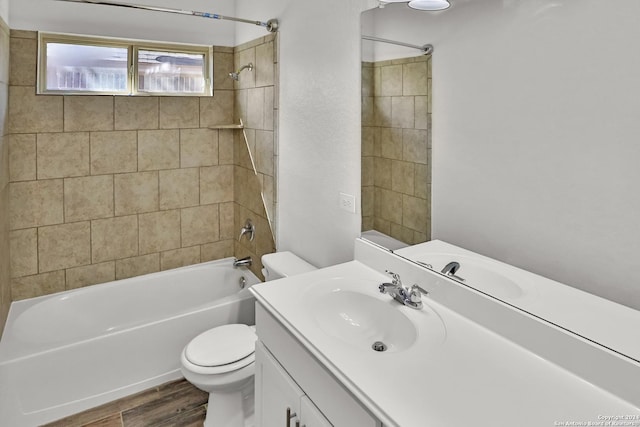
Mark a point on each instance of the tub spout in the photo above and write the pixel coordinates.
(242, 262)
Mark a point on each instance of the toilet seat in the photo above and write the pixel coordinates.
(222, 349)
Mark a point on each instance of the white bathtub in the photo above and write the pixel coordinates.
(63, 353)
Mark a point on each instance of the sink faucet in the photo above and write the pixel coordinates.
(242, 262)
(451, 269)
(411, 297)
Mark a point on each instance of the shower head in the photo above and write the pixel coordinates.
(236, 75)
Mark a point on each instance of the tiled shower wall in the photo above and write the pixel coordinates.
(105, 188)
(5, 279)
(396, 148)
(256, 105)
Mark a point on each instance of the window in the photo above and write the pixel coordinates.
(86, 65)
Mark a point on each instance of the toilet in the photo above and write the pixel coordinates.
(221, 361)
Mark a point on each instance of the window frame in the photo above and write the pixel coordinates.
(132, 46)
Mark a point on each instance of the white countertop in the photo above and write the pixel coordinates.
(472, 378)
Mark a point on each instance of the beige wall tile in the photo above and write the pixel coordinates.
(367, 202)
(421, 112)
(139, 112)
(137, 266)
(382, 172)
(368, 111)
(269, 99)
(227, 228)
(24, 252)
(114, 238)
(421, 186)
(241, 58)
(264, 152)
(88, 197)
(225, 147)
(37, 285)
(367, 178)
(255, 109)
(159, 231)
(217, 109)
(368, 140)
(200, 225)
(264, 64)
(241, 152)
(198, 147)
(35, 203)
(414, 78)
(222, 66)
(217, 250)
(391, 143)
(402, 177)
(179, 112)
(415, 145)
(390, 203)
(415, 213)
(382, 111)
(136, 193)
(402, 112)
(90, 275)
(216, 184)
(158, 149)
(179, 188)
(88, 113)
(113, 152)
(62, 155)
(391, 83)
(22, 157)
(63, 246)
(179, 257)
(24, 54)
(31, 113)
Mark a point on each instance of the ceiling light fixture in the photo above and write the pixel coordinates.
(428, 5)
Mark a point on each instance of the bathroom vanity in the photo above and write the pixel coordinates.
(334, 350)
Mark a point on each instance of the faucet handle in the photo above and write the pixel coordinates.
(416, 292)
(395, 276)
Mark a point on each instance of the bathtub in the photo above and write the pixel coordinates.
(67, 352)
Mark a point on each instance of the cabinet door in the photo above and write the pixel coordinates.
(311, 415)
(275, 392)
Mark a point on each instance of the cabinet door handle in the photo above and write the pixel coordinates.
(289, 416)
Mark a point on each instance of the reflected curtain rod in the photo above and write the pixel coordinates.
(271, 25)
(426, 49)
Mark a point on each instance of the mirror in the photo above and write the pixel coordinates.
(394, 174)
(396, 136)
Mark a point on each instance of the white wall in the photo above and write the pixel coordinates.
(319, 123)
(4, 11)
(78, 18)
(536, 135)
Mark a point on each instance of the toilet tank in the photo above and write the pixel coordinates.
(283, 264)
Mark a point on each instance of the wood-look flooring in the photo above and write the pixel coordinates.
(174, 404)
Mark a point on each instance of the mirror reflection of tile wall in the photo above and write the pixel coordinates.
(396, 148)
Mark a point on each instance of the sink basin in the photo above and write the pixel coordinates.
(354, 312)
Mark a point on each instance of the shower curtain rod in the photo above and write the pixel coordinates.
(426, 49)
(271, 25)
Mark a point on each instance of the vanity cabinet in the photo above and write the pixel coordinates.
(289, 376)
(279, 400)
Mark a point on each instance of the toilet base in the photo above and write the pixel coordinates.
(235, 409)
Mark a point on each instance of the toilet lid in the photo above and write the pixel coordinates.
(222, 345)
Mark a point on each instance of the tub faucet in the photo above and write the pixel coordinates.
(411, 297)
(451, 269)
(242, 262)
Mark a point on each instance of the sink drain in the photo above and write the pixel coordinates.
(379, 346)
